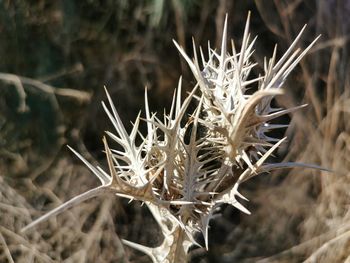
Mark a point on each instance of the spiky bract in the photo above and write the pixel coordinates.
(191, 162)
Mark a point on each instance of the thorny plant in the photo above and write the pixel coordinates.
(190, 163)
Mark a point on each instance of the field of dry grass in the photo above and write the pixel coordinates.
(55, 60)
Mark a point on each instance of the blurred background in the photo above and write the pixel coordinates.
(56, 56)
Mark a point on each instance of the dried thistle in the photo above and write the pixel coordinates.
(183, 175)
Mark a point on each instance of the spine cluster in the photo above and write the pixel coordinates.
(190, 162)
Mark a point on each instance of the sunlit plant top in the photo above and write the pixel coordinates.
(191, 162)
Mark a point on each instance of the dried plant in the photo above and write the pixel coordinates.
(190, 163)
